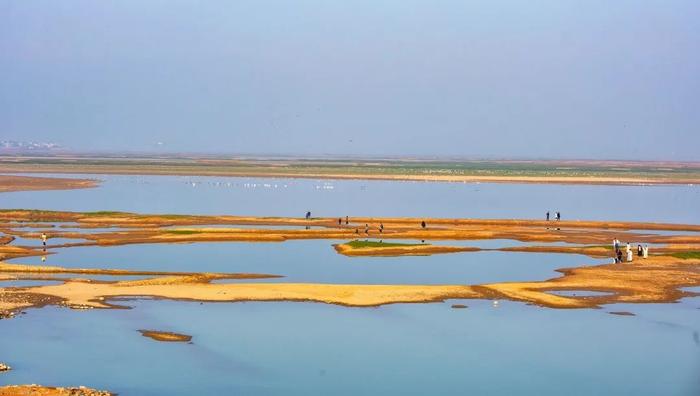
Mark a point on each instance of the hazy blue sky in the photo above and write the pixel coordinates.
(559, 78)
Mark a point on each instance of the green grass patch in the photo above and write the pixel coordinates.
(183, 232)
(374, 244)
(687, 255)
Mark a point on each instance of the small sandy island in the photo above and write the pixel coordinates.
(165, 336)
(38, 390)
(30, 183)
(373, 248)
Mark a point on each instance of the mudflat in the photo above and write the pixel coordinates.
(30, 183)
(38, 390)
(674, 264)
(165, 336)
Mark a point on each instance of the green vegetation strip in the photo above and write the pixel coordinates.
(687, 255)
(183, 232)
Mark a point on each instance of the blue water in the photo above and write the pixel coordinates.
(309, 348)
(36, 242)
(27, 283)
(175, 194)
(303, 349)
(317, 261)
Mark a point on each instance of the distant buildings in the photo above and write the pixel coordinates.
(27, 146)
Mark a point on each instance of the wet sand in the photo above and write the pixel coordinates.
(30, 183)
(152, 229)
(392, 251)
(38, 390)
(165, 336)
(656, 279)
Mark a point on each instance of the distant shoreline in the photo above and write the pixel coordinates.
(9, 183)
(555, 172)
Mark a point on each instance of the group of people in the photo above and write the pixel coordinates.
(367, 227)
(557, 216)
(44, 238)
(642, 251)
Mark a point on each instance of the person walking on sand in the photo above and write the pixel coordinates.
(646, 251)
(43, 238)
(628, 248)
(616, 244)
(558, 216)
(629, 256)
(347, 220)
(422, 224)
(619, 256)
(308, 215)
(381, 228)
(367, 229)
(640, 251)
(340, 221)
(547, 215)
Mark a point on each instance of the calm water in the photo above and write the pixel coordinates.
(317, 261)
(302, 349)
(310, 348)
(286, 197)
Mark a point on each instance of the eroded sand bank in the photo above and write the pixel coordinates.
(30, 183)
(38, 390)
(656, 279)
(165, 336)
(137, 228)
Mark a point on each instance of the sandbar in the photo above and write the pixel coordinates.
(10, 183)
(38, 390)
(393, 249)
(673, 265)
(165, 336)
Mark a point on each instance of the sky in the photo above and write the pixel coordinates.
(582, 79)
